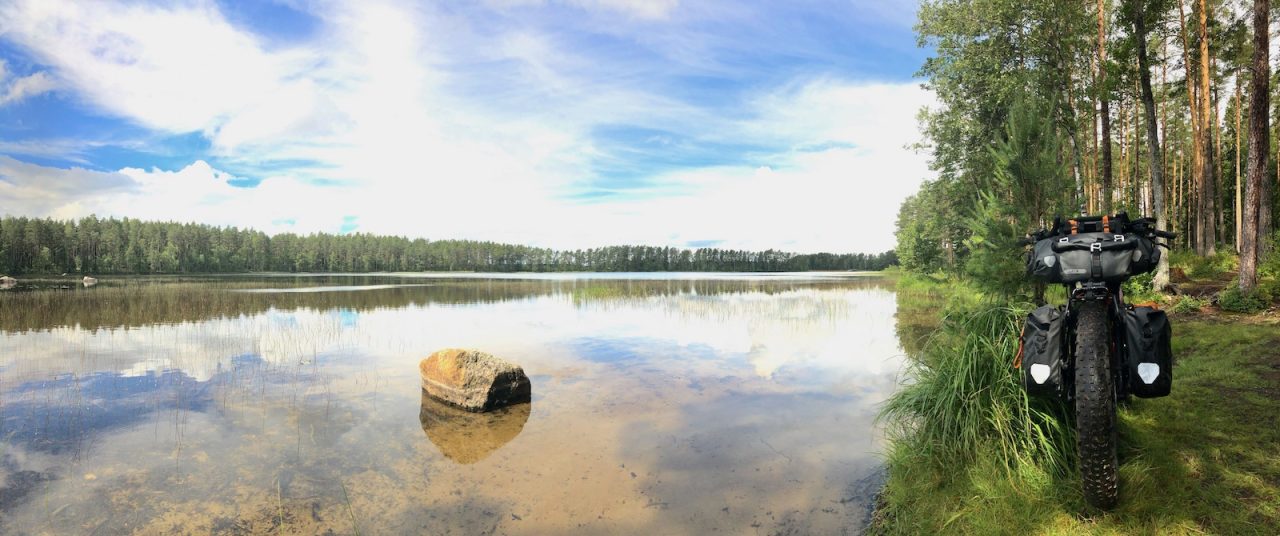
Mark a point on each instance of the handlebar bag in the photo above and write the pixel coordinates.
(1043, 263)
(1095, 256)
(1146, 255)
(1148, 357)
(1042, 351)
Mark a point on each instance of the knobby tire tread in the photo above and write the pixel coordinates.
(1095, 407)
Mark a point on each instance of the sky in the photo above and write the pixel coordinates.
(556, 123)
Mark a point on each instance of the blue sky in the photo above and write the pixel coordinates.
(569, 123)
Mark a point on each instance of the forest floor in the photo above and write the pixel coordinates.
(1204, 460)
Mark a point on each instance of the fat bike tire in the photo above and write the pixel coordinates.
(1095, 407)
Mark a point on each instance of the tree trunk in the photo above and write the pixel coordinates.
(1219, 210)
(1161, 279)
(1239, 193)
(1139, 198)
(1259, 144)
(1265, 225)
(1177, 196)
(1208, 229)
(1075, 149)
(1105, 106)
(1163, 107)
(1193, 109)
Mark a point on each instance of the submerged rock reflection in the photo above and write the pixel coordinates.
(466, 437)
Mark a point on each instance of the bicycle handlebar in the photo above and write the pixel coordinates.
(1141, 226)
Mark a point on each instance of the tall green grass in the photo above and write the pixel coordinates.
(962, 406)
(963, 395)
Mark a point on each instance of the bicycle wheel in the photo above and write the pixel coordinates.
(1095, 406)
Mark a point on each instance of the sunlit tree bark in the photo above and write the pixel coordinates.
(1259, 145)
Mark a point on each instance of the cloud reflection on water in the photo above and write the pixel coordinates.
(654, 409)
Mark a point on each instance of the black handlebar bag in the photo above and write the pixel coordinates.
(1089, 257)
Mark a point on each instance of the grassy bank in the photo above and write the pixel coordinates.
(971, 455)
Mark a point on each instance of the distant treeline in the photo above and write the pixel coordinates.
(129, 246)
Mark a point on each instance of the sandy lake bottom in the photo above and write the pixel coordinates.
(661, 405)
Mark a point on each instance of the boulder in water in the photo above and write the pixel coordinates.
(473, 380)
(7, 282)
(90, 281)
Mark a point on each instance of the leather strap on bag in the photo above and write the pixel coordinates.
(1075, 226)
(1106, 224)
(1017, 359)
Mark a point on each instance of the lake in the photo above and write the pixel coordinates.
(283, 404)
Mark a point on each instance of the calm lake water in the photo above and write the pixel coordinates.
(662, 404)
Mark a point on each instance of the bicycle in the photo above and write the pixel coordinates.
(1096, 350)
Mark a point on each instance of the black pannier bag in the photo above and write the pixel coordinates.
(1148, 356)
(1041, 351)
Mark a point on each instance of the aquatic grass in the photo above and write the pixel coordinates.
(355, 524)
(279, 506)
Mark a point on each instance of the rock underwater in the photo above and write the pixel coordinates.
(467, 437)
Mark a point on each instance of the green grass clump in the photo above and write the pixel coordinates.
(1188, 304)
(962, 408)
(962, 395)
(1237, 301)
(1138, 289)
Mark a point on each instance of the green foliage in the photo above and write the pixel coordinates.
(1270, 265)
(1189, 304)
(990, 55)
(998, 156)
(1237, 301)
(1211, 267)
(1024, 191)
(927, 231)
(111, 246)
(1137, 289)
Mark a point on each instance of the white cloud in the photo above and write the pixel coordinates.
(30, 189)
(176, 69)
(23, 87)
(384, 102)
(841, 196)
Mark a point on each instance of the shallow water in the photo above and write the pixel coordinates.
(676, 404)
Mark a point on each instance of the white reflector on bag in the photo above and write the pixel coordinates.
(1148, 372)
(1040, 372)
